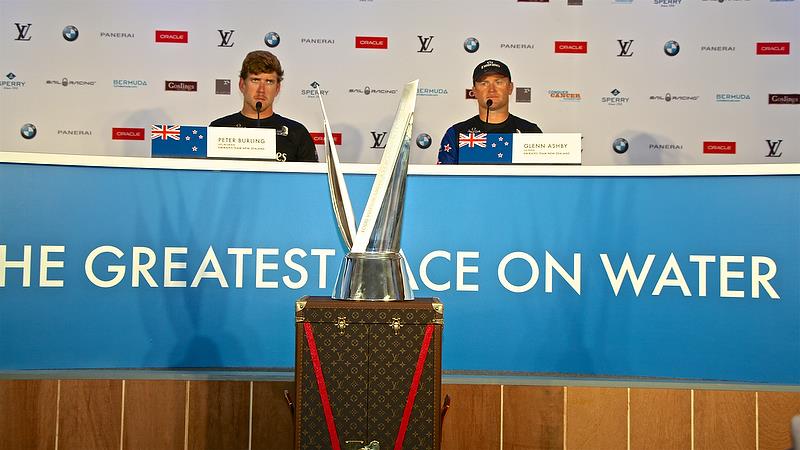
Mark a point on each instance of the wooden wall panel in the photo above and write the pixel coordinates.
(272, 423)
(219, 415)
(661, 419)
(533, 418)
(724, 420)
(90, 414)
(155, 413)
(28, 414)
(473, 420)
(597, 418)
(775, 412)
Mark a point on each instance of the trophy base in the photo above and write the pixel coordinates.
(374, 276)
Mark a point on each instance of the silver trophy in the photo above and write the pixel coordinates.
(375, 268)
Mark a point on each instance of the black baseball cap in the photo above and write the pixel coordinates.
(490, 66)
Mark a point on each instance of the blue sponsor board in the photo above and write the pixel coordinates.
(680, 277)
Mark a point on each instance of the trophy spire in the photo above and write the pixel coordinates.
(375, 268)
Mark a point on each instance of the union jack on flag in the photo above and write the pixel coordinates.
(472, 140)
(166, 132)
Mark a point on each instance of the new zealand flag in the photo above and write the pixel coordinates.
(176, 141)
(489, 149)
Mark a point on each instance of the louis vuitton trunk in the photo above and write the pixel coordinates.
(368, 374)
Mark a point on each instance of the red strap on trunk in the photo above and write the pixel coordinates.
(323, 391)
(412, 392)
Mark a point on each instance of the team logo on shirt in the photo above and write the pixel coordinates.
(472, 140)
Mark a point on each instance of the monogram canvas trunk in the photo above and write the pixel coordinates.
(368, 374)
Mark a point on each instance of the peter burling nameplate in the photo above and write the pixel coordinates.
(375, 268)
(241, 143)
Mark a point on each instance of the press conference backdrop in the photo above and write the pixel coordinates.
(645, 81)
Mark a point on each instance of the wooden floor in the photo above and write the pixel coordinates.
(167, 414)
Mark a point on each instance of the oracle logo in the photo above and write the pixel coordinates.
(319, 138)
(127, 134)
(723, 148)
(772, 48)
(572, 47)
(372, 42)
(176, 37)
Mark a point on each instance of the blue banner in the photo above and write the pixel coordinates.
(680, 277)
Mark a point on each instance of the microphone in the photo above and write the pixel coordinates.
(489, 103)
(258, 114)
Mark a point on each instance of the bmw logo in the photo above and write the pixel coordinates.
(471, 45)
(671, 48)
(424, 140)
(620, 145)
(272, 39)
(28, 131)
(70, 33)
(367, 90)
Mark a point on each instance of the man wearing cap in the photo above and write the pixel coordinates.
(492, 86)
(260, 83)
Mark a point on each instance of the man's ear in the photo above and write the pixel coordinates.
(241, 85)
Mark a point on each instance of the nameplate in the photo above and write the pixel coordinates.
(546, 148)
(241, 143)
